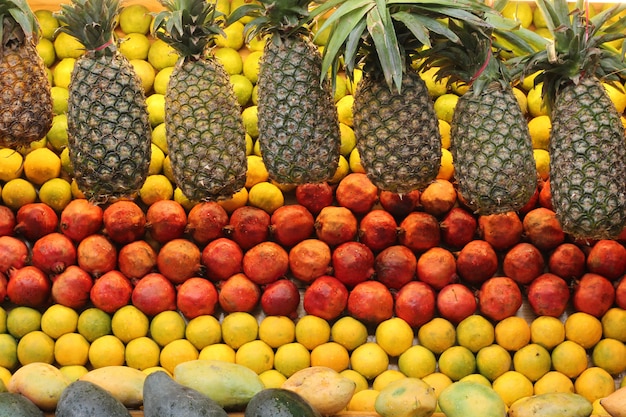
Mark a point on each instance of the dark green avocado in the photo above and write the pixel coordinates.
(279, 402)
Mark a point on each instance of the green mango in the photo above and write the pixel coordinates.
(471, 399)
(563, 404)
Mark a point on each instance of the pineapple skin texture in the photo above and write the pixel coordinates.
(25, 99)
(109, 134)
(492, 151)
(205, 132)
(397, 134)
(298, 126)
(588, 162)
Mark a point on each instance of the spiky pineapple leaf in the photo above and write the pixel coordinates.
(386, 43)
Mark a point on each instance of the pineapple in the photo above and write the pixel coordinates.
(395, 123)
(204, 129)
(109, 133)
(490, 142)
(299, 135)
(25, 102)
(587, 152)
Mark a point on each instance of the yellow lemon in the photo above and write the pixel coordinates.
(349, 332)
(232, 37)
(73, 372)
(387, 376)
(56, 192)
(60, 96)
(583, 328)
(348, 139)
(219, 352)
(57, 135)
(547, 331)
(256, 147)
(355, 161)
(238, 328)
(456, 362)
(353, 80)
(438, 381)
(272, 378)
(257, 43)
(445, 105)
(17, 193)
(48, 23)
(394, 335)
(203, 331)
(106, 350)
(167, 169)
(536, 103)
(62, 72)
(436, 86)
(553, 381)
(614, 324)
(475, 332)
(129, 323)
(249, 144)
(512, 333)
(45, 49)
(521, 12)
(41, 164)
(162, 79)
(369, 359)
(444, 132)
(230, 58)
(542, 163)
(341, 87)
(76, 191)
(251, 65)
(594, 383)
(363, 401)
(134, 46)
(242, 87)
(344, 110)
(167, 326)
(35, 347)
(176, 352)
(155, 188)
(93, 323)
(359, 380)
(343, 169)
(162, 55)
(71, 349)
(135, 18)
(67, 46)
(312, 331)
(256, 173)
(492, 361)
(522, 101)
(145, 72)
(256, 355)
(8, 352)
(155, 104)
(533, 361)
(266, 196)
(569, 358)
(239, 199)
(152, 369)
(291, 358)
(417, 362)
(156, 160)
(598, 410)
(610, 355)
(66, 165)
(538, 20)
(617, 94)
(58, 320)
(11, 164)
(511, 386)
(159, 137)
(142, 353)
(251, 121)
(446, 169)
(540, 128)
(3, 320)
(277, 330)
(331, 355)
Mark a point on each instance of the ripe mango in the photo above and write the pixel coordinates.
(615, 403)
(471, 399)
(552, 404)
(123, 382)
(40, 382)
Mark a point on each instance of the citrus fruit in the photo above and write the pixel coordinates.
(349, 332)
(475, 332)
(219, 352)
(331, 355)
(162, 55)
(348, 139)
(291, 357)
(35, 347)
(277, 330)
(135, 18)
(176, 352)
(57, 135)
(542, 163)
(45, 49)
(17, 193)
(438, 381)
(73, 372)
(369, 359)
(129, 323)
(522, 101)
(41, 164)
(238, 328)
(256, 173)
(511, 386)
(232, 37)
(445, 105)
(134, 46)
(231, 60)
(22, 320)
(540, 128)
(343, 169)
(394, 335)
(522, 13)
(167, 326)
(610, 355)
(344, 110)
(492, 361)
(67, 46)
(436, 87)
(512, 333)
(71, 349)
(8, 351)
(156, 108)
(553, 381)
(355, 161)
(58, 320)
(106, 350)
(56, 192)
(156, 160)
(583, 328)
(417, 362)
(239, 199)
(142, 353)
(203, 331)
(456, 362)
(359, 380)
(533, 361)
(155, 188)
(242, 87)
(62, 72)
(547, 331)
(272, 378)
(145, 72)
(11, 165)
(251, 66)
(162, 79)
(93, 323)
(614, 324)
(312, 331)
(594, 383)
(48, 23)
(256, 355)
(536, 104)
(446, 170)
(251, 121)
(266, 196)
(364, 401)
(387, 376)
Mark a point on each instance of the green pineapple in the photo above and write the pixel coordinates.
(25, 102)
(108, 127)
(205, 132)
(587, 152)
(395, 123)
(299, 133)
(490, 142)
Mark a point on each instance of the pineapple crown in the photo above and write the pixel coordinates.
(91, 22)
(384, 34)
(189, 26)
(579, 48)
(17, 23)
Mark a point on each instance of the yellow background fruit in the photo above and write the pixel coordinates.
(256, 355)
(291, 358)
(203, 331)
(142, 353)
(312, 331)
(369, 359)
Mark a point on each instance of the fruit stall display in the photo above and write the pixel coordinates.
(332, 245)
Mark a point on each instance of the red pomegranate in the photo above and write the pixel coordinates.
(309, 259)
(567, 261)
(80, 218)
(477, 262)
(136, 259)
(502, 231)
(53, 253)
(206, 222)
(458, 227)
(523, 263)
(97, 255)
(419, 231)
(315, 196)
(437, 267)
(111, 291)
(378, 230)
(71, 287)
(13, 253)
(593, 294)
(395, 266)
(29, 286)
(326, 297)
(3, 286)
(222, 258)
(166, 220)
(265, 263)
(499, 298)
(370, 302)
(353, 263)
(336, 225)
(607, 258)
(456, 302)
(124, 221)
(548, 295)
(196, 296)
(281, 298)
(248, 226)
(35, 220)
(399, 205)
(415, 303)
(545, 196)
(154, 293)
(178, 260)
(7, 221)
(357, 193)
(620, 294)
(290, 224)
(438, 197)
(543, 229)
(238, 293)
